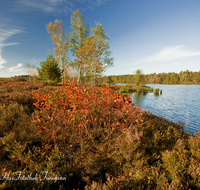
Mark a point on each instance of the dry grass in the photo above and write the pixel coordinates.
(151, 154)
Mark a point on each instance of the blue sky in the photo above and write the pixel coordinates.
(152, 35)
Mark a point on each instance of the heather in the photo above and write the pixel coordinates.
(94, 137)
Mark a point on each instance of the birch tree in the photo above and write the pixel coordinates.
(78, 35)
(94, 53)
(61, 43)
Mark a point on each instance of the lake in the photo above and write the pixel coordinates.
(177, 103)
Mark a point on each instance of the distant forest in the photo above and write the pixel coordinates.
(184, 77)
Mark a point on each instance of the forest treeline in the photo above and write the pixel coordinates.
(184, 77)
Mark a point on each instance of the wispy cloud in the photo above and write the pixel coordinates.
(16, 68)
(172, 53)
(169, 54)
(8, 44)
(4, 35)
(34, 60)
(57, 6)
(45, 5)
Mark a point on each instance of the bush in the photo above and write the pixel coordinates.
(20, 79)
(81, 127)
(15, 132)
(49, 82)
(124, 91)
(156, 91)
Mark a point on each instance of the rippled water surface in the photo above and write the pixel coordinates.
(177, 103)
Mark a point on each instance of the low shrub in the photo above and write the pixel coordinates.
(142, 89)
(124, 91)
(94, 138)
(16, 131)
(20, 79)
(80, 127)
(156, 91)
(49, 82)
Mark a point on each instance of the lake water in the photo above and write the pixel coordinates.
(177, 103)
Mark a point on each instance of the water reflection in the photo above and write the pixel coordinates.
(138, 97)
(176, 103)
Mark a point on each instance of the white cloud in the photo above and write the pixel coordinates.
(8, 75)
(172, 53)
(16, 68)
(177, 63)
(169, 54)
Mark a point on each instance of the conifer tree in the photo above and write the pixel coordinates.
(49, 70)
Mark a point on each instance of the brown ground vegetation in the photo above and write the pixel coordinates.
(157, 154)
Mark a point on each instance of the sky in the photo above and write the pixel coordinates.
(153, 35)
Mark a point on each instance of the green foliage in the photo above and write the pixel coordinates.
(110, 80)
(184, 77)
(49, 82)
(49, 70)
(142, 89)
(124, 91)
(139, 78)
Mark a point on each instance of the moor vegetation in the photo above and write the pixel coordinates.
(76, 136)
(89, 138)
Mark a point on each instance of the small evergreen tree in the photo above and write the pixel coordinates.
(49, 71)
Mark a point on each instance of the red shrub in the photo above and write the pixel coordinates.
(75, 113)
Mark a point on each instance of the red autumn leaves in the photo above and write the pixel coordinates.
(76, 112)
